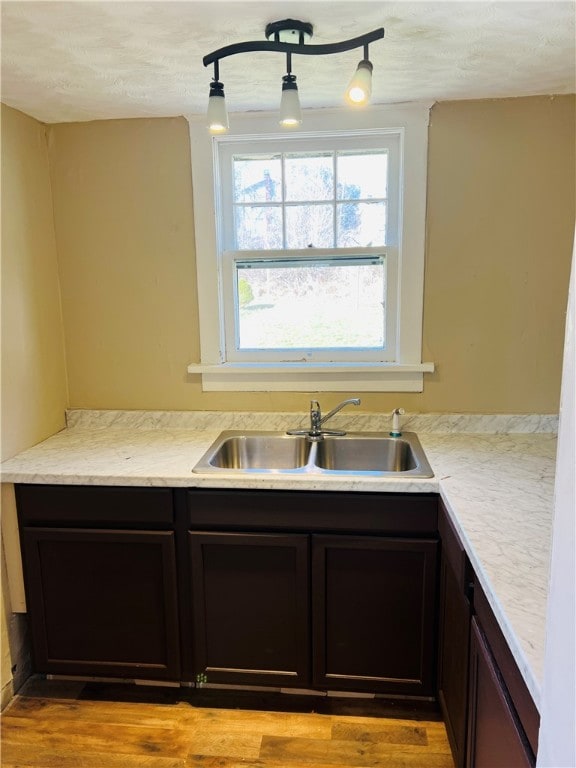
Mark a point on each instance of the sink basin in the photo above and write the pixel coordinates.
(366, 454)
(259, 451)
(369, 453)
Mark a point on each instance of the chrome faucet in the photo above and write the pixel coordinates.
(317, 420)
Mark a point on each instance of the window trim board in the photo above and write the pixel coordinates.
(412, 120)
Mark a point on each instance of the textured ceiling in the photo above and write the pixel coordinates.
(70, 61)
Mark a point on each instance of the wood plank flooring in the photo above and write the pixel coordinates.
(60, 724)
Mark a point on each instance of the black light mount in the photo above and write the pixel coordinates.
(289, 29)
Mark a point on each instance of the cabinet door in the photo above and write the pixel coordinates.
(495, 737)
(102, 602)
(454, 617)
(250, 608)
(373, 614)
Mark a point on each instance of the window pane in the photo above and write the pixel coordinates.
(361, 224)
(309, 177)
(257, 180)
(311, 307)
(362, 176)
(310, 226)
(258, 227)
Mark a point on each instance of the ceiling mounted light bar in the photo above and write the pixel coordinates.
(290, 36)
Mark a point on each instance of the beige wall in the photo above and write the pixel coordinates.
(499, 232)
(34, 394)
(125, 228)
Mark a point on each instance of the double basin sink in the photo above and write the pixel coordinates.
(364, 453)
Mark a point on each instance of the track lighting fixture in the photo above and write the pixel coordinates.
(290, 36)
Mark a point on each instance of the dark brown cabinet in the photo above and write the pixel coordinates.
(314, 590)
(454, 617)
(251, 609)
(503, 721)
(490, 716)
(374, 614)
(333, 591)
(496, 737)
(101, 601)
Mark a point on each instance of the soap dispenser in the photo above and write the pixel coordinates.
(396, 431)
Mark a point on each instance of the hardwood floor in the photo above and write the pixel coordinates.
(60, 724)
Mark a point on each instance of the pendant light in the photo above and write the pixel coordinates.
(217, 114)
(360, 89)
(290, 112)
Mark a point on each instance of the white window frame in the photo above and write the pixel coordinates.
(405, 373)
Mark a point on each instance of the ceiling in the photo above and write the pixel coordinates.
(77, 60)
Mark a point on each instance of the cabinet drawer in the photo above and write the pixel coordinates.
(80, 505)
(380, 513)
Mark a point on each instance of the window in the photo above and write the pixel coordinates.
(310, 256)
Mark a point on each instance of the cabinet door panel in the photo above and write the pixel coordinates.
(250, 606)
(495, 737)
(102, 603)
(454, 637)
(373, 618)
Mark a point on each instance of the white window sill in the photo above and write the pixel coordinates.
(306, 377)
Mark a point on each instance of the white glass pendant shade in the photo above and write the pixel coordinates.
(360, 89)
(290, 112)
(217, 114)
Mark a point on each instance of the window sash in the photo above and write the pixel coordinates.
(353, 142)
(278, 196)
(230, 262)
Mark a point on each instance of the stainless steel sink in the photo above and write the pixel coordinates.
(365, 453)
(259, 451)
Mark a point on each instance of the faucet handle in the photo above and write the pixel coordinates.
(315, 417)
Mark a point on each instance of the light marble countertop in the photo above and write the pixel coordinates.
(498, 489)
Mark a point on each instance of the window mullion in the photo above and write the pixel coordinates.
(283, 201)
(334, 195)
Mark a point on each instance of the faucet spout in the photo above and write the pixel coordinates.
(350, 401)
